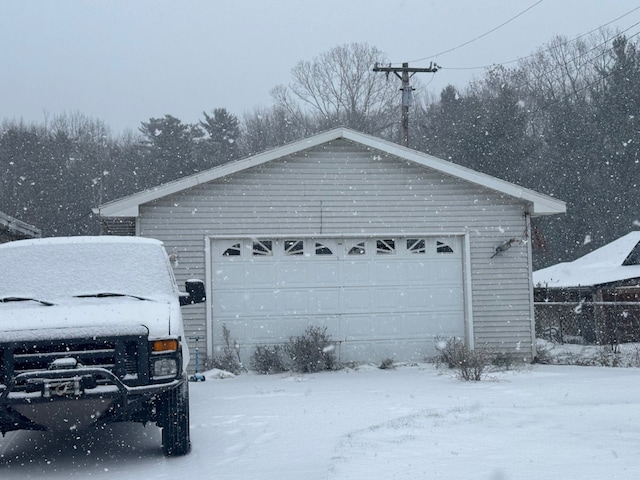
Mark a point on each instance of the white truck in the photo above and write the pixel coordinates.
(91, 331)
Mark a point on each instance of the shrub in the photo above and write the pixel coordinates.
(268, 359)
(311, 352)
(503, 361)
(386, 364)
(543, 354)
(469, 364)
(229, 360)
(607, 357)
(450, 351)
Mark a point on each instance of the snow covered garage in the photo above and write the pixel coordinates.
(387, 247)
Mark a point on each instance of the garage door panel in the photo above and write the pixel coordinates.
(412, 323)
(264, 302)
(355, 299)
(261, 331)
(367, 328)
(393, 327)
(324, 300)
(325, 273)
(276, 329)
(447, 272)
(230, 275)
(228, 303)
(292, 274)
(444, 324)
(444, 298)
(387, 272)
(356, 273)
(260, 274)
(386, 299)
(295, 301)
(416, 272)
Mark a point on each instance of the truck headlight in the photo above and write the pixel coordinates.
(164, 367)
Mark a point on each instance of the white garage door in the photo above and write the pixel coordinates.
(379, 297)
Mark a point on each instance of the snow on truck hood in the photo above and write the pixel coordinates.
(50, 268)
(111, 314)
(87, 282)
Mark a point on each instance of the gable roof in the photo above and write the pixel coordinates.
(614, 262)
(129, 206)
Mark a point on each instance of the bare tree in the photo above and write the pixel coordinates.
(339, 87)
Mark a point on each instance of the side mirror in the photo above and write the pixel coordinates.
(196, 292)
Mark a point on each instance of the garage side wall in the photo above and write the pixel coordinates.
(342, 188)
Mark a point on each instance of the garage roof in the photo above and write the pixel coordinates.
(616, 261)
(129, 206)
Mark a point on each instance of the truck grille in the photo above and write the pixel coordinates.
(124, 351)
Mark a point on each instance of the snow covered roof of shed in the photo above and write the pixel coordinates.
(616, 261)
(129, 206)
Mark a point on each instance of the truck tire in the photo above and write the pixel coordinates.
(175, 421)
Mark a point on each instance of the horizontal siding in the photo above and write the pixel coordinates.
(341, 189)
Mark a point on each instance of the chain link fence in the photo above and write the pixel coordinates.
(599, 323)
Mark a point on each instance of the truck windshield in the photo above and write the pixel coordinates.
(49, 269)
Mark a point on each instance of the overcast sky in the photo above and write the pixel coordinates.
(125, 61)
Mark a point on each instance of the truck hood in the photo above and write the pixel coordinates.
(155, 315)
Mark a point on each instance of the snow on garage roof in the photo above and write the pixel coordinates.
(129, 206)
(616, 261)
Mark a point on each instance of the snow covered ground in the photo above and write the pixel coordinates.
(414, 421)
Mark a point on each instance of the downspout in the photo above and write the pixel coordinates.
(532, 309)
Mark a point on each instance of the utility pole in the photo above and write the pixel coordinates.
(405, 73)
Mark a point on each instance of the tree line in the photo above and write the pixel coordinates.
(563, 121)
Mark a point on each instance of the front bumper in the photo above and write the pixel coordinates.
(67, 399)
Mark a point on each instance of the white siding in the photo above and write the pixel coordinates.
(341, 188)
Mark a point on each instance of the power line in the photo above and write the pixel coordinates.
(587, 61)
(587, 85)
(548, 49)
(480, 36)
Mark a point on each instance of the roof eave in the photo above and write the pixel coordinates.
(543, 207)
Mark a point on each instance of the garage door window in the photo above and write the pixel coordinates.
(386, 246)
(416, 245)
(293, 247)
(262, 248)
(357, 249)
(322, 249)
(232, 251)
(442, 247)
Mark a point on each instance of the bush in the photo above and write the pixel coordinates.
(268, 359)
(230, 358)
(311, 352)
(450, 351)
(386, 364)
(469, 364)
(503, 361)
(543, 354)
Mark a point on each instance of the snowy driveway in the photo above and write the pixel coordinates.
(411, 422)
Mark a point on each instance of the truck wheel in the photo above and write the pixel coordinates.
(175, 421)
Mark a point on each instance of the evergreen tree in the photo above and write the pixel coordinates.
(223, 132)
(169, 148)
